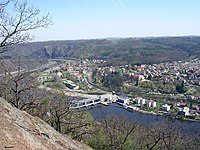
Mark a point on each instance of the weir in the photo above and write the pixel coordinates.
(101, 99)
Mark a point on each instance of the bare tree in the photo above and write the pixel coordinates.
(17, 18)
(16, 87)
(164, 136)
(114, 132)
(79, 126)
(15, 23)
(58, 108)
(64, 119)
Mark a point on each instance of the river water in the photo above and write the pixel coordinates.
(116, 110)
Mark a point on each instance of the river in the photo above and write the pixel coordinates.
(115, 109)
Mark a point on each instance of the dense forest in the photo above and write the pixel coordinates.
(115, 51)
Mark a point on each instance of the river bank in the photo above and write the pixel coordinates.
(144, 118)
(160, 113)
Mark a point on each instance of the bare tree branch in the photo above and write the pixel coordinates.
(14, 26)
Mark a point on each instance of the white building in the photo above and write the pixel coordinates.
(165, 107)
(140, 100)
(151, 103)
(186, 110)
(143, 101)
(123, 100)
(59, 74)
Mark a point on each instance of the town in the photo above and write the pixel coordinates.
(100, 74)
(169, 89)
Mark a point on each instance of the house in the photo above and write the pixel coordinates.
(181, 104)
(140, 101)
(151, 103)
(79, 76)
(123, 100)
(59, 74)
(184, 112)
(139, 77)
(187, 111)
(154, 104)
(165, 107)
(70, 84)
(143, 101)
(129, 74)
(70, 68)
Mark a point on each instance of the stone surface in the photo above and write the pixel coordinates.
(21, 131)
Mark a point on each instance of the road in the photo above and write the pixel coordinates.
(40, 68)
(14, 72)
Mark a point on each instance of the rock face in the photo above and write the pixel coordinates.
(21, 131)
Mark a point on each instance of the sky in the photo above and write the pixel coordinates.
(94, 19)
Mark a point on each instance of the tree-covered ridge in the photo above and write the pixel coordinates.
(117, 51)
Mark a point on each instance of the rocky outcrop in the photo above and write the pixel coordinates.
(21, 131)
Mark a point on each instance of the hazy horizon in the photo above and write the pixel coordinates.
(114, 38)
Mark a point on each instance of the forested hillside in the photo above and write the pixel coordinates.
(115, 51)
